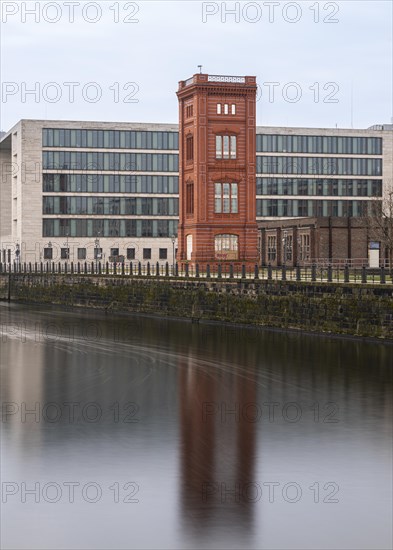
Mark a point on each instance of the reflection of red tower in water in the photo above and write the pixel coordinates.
(217, 170)
(218, 443)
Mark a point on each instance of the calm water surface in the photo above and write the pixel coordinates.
(154, 433)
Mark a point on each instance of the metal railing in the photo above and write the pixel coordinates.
(331, 273)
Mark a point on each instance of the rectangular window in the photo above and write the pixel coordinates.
(218, 108)
(225, 147)
(81, 253)
(65, 253)
(147, 253)
(271, 248)
(190, 198)
(233, 109)
(190, 148)
(226, 109)
(48, 253)
(114, 251)
(130, 253)
(97, 253)
(163, 253)
(226, 198)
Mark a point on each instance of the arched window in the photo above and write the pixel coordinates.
(226, 247)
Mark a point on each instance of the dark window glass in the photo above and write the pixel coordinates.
(163, 253)
(81, 253)
(48, 253)
(147, 253)
(130, 253)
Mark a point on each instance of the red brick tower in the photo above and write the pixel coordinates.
(217, 184)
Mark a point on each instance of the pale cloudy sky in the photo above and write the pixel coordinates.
(317, 63)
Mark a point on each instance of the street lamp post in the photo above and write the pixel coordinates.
(173, 254)
(67, 255)
(17, 253)
(97, 248)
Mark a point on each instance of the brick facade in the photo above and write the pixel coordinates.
(316, 240)
(200, 170)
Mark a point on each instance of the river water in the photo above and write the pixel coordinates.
(133, 432)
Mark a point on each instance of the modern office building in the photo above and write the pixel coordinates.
(83, 190)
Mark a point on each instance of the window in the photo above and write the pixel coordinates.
(304, 251)
(114, 251)
(147, 253)
(189, 111)
(233, 109)
(226, 109)
(218, 108)
(225, 147)
(130, 253)
(48, 253)
(271, 248)
(226, 247)
(287, 244)
(190, 148)
(226, 198)
(65, 253)
(81, 253)
(163, 253)
(190, 198)
(97, 253)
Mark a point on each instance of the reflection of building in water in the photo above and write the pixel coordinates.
(218, 444)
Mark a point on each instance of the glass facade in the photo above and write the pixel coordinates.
(267, 143)
(110, 139)
(326, 187)
(309, 207)
(119, 206)
(85, 227)
(319, 165)
(98, 183)
(95, 161)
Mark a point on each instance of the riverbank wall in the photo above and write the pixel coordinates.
(338, 308)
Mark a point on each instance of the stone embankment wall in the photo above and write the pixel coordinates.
(352, 309)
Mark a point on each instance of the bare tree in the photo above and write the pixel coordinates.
(380, 222)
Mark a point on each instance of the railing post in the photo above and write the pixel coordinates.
(186, 270)
(157, 269)
(85, 268)
(256, 272)
(364, 275)
(329, 273)
(219, 271)
(99, 267)
(176, 269)
(269, 272)
(92, 268)
(79, 267)
(197, 271)
(72, 268)
(207, 271)
(139, 269)
(382, 276)
(65, 268)
(166, 269)
(231, 271)
(148, 269)
(283, 272)
(313, 273)
(131, 272)
(346, 273)
(298, 273)
(244, 271)
(115, 268)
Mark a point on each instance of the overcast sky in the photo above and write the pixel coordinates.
(331, 62)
